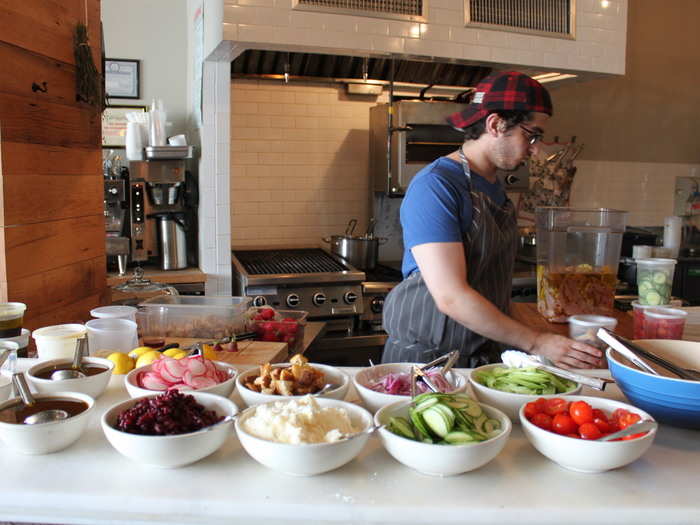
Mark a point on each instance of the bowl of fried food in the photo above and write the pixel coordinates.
(270, 382)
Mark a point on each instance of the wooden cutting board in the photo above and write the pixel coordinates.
(250, 353)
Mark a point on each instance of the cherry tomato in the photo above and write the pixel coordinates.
(540, 403)
(603, 425)
(556, 405)
(633, 436)
(599, 414)
(531, 409)
(628, 419)
(563, 424)
(589, 431)
(581, 412)
(542, 420)
(267, 313)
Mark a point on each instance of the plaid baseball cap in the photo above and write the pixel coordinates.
(503, 91)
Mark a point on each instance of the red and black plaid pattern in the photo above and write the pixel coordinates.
(503, 91)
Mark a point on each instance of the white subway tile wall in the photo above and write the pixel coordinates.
(599, 44)
(299, 161)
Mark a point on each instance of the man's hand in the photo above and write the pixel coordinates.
(567, 353)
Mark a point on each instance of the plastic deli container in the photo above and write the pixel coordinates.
(111, 335)
(286, 326)
(58, 341)
(118, 312)
(664, 323)
(638, 318)
(22, 340)
(213, 317)
(11, 318)
(585, 327)
(654, 280)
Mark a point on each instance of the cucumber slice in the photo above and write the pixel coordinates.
(473, 408)
(491, 425)
(447, 412)
(401, 427)
(659, 278)
(458, 438)
(421, 429)
(425, 404)
(643, 287)
(479, 422)
(652, 298)
(436, 420)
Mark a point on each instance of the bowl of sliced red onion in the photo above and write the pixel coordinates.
(388, 383)
(190, 373)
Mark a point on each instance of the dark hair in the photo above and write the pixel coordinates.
(511, 119)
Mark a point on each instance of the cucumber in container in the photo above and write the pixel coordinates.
(655, 280)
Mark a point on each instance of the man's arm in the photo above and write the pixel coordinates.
(444, 270)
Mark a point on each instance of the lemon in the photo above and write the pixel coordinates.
(138, 352)
(171, 352)
(179, 355)
(148, 358)
(123, 364)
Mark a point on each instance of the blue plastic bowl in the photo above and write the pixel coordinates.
(669, 400)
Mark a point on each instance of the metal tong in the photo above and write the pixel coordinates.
(418, 372)
(635, 353)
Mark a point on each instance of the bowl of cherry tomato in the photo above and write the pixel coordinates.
(566, 430)
(668, 398)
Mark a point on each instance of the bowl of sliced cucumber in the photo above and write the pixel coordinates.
(442, 434)
(654, 280)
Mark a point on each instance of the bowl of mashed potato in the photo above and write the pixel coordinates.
(304, 436)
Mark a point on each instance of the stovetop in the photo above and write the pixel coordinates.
(294, 261)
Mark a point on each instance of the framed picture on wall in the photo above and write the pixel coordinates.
(122, 78)
(114, 125)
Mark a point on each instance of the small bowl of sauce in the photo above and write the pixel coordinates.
(98, 372)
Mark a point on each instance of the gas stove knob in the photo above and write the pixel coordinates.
(350, 297)
(293, 300)
(377, 305)
(259, 301)
(318, 299)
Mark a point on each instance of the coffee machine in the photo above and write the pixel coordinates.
(116, 214)
(162, 198)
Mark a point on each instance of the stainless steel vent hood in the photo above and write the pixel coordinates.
(340, 68)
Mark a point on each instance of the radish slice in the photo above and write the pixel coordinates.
(152, 381)
(196, 366)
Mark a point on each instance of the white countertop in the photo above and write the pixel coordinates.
(91, 483)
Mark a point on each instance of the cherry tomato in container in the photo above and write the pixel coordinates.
(556, 405)
(542, 420)
(589, 431)
(563, 424)
(581, 412)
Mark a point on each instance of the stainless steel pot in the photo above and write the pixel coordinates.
(359, 251)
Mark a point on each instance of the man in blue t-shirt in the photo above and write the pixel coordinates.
(460, 238)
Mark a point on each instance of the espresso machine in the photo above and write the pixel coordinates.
(163, 204)
(116, 213)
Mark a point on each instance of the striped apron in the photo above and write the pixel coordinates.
(418, 331)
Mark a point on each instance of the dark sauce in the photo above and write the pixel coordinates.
(89, 370)
(17, 412)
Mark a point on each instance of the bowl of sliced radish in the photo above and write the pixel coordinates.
(442, 434)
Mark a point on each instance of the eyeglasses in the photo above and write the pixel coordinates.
(533, 137)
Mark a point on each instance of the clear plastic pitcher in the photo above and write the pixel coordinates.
(578, 253)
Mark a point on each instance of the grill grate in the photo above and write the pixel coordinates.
(384, 8)
(302, 261)
(553, 17)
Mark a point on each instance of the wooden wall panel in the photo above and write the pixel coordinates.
(59, 288)
(76, 312)
(27, 159)
(26, 120)
(46, 27)
(37, 248)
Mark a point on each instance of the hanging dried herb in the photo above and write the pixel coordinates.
(87, 78)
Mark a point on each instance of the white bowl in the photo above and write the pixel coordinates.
(374, 400)
(585, 455)
(307, 459)
(93, 386)
(225, 388)
(170, 451)
(45, 438)
(5, 388)
(440, 460)
(331, 375)
(507, 401)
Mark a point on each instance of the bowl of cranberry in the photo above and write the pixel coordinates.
(280, 326)
(566, 430)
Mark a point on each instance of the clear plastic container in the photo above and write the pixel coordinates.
(578, 253)
(638, 318)
(664, 323)
(114, 312)
(655, 280)
(11, 319)
(111, 335)
(58, 341)
(287, 326)
(212, 317)
(585, 327)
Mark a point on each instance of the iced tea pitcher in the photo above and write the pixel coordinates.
(578, 253)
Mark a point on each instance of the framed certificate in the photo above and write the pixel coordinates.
(114, 125)
(122, 78)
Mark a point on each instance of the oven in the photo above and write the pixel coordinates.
(349, 301)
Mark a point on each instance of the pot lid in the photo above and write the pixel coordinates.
(140, 284)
